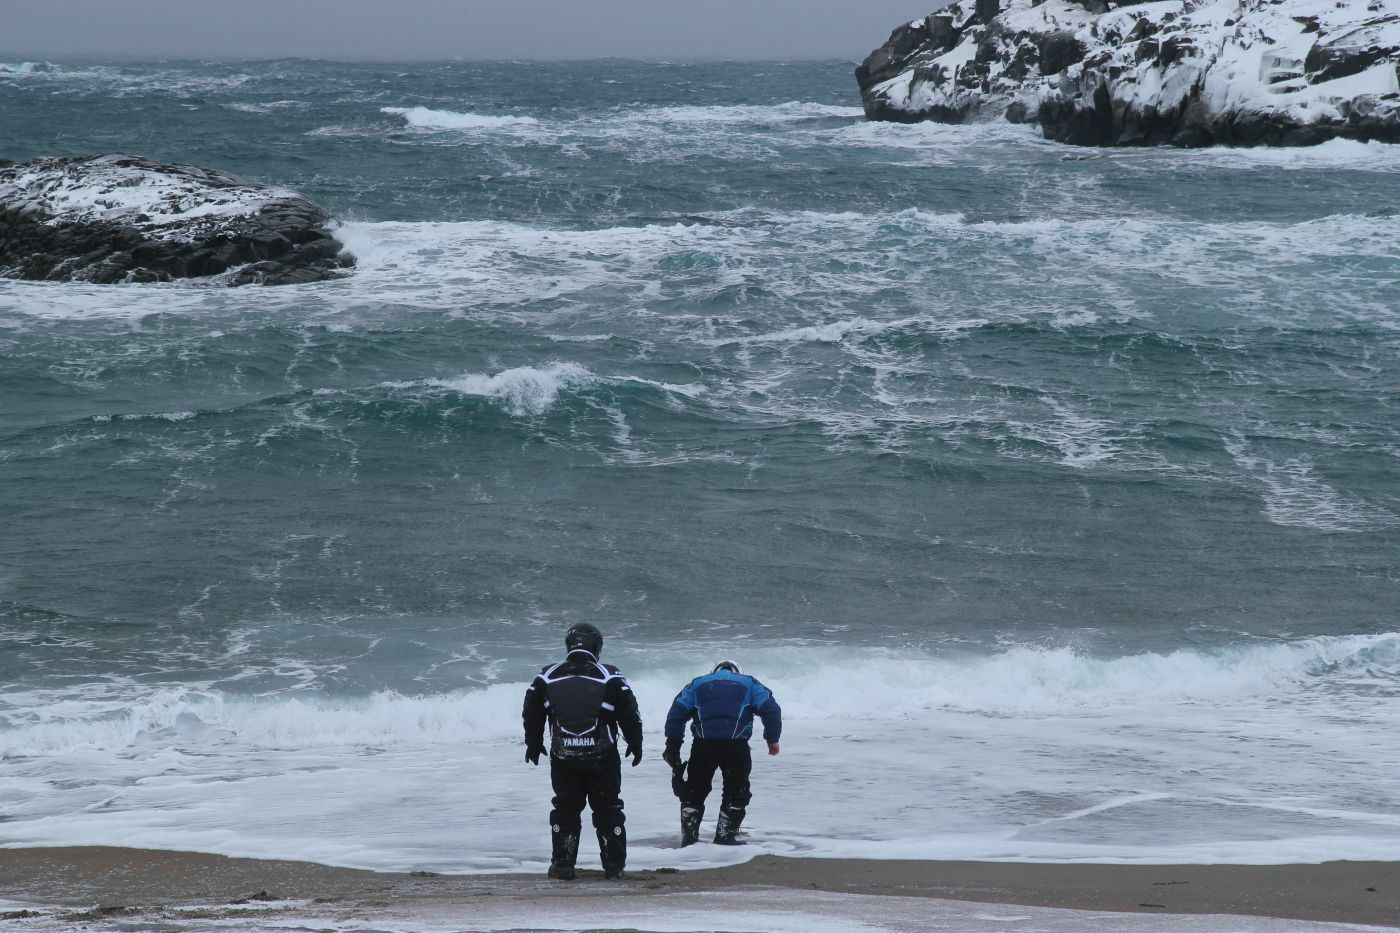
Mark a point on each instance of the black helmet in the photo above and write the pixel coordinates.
(584, 636)
(729, 666)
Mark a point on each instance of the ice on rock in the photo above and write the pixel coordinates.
(1181, 72)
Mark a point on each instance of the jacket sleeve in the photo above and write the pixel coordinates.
(624, 702)
(769, 711)
(535, 712)
(682, 707)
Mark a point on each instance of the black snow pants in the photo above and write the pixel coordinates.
(598, 783)
(732, 759)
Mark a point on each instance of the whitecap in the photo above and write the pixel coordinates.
(524, 390)
(423, 118)
(531, 391)
(1296, 496)
(23, 69)
(1335, 154)
(171, 416)
(269, 106)
(745, 113)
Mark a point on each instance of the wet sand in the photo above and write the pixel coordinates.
(92, 883)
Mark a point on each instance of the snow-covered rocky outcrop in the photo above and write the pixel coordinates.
(123, 219)
(1183, 72)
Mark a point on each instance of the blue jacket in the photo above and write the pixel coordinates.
(722, 706)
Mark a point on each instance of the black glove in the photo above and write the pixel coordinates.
(533, 753)
(672, 754)
(635, 753)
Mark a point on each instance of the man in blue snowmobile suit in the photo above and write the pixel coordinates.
(720, 707)
(585, 703)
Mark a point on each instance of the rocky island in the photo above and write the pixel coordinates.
(112, 218)
(1177, 72)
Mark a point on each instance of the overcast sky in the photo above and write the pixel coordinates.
(421, 29)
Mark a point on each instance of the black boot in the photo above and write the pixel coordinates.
(727, 827)
(690, 824)
(561, 861)
(612, 846)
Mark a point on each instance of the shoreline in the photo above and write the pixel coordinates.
(111, 882)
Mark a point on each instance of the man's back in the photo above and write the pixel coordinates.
(585, 702)
(722, 705)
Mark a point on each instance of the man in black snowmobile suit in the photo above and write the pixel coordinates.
(586, 703)
(720, 707)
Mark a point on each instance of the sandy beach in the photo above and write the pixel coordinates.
(114, 888)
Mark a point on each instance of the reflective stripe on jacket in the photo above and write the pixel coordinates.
(585, 703)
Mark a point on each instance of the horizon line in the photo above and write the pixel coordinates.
(9, 57)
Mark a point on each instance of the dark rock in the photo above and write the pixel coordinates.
(988, 50)
(1142, 29)
(1059, 50)
(894, 56)
(1022, 63)
(1346, 56)
(120, 219)
(1174, 50)
(1019, 112)
(942, 34)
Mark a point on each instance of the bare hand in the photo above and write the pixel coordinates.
(772, 748)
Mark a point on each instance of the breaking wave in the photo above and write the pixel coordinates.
(1043, 681)
(524, 390)
(19, 69)
(791, 111)
(811, 686)
(527, 390)
(425, 119)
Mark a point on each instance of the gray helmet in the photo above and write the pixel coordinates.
(584, 636)
(729, 666)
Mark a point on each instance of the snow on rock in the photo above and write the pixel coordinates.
(124, 219)
(1181, 72)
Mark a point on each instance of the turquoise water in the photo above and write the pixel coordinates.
(695, 353)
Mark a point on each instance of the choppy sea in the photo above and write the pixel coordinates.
(1053, 491)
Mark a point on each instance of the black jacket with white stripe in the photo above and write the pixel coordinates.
(585, 702)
